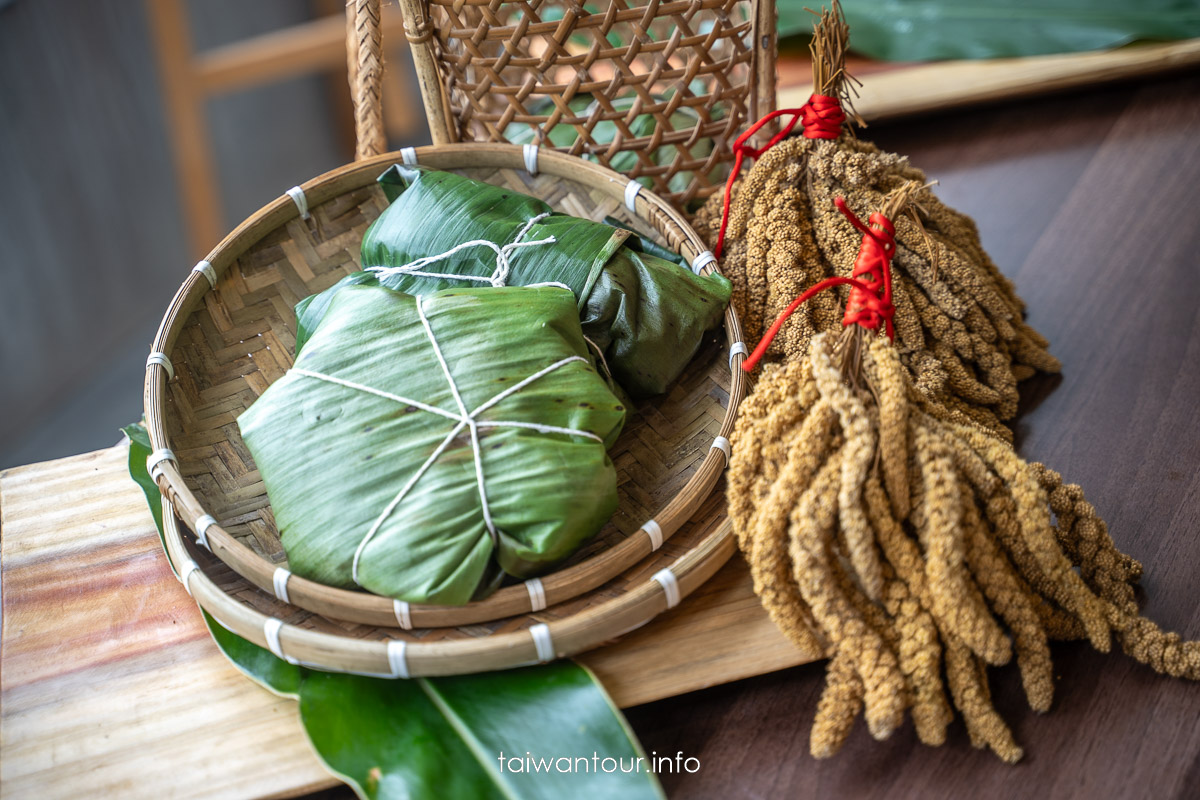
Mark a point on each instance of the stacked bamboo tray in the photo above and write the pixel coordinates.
(230, 332)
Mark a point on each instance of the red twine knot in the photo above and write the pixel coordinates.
(822, 117)
(871, 301)
(868, 306)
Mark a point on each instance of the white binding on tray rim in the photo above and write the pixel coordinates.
(530, 152)
(185, 573)
(163, 360)
(632, 189)
(301, 201)
(735, 349)
(409, 156)
(702, 260)
(670, 585)
(722, 444)
(203, 523)
(403, 613)
(155, 459)
(279, 581)
(205, 268)
(397, 658)
(537, 594)
(271, 628)
(542, 641)
(654, 531)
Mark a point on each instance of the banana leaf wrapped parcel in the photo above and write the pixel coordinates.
(424, 447)
(645, 315)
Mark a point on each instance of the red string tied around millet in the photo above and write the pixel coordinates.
(821, 118)
(870, 303)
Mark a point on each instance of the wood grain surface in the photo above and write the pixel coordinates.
(111, 686)
(1089, 202)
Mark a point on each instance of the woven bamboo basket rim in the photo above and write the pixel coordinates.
(402, 658)
(375, 610)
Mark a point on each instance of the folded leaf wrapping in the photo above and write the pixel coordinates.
(417, 442)
(645, 314)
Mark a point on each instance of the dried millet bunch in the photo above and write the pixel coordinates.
(960, 327)
(913, 542)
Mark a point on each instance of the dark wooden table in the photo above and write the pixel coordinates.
(1089, 201)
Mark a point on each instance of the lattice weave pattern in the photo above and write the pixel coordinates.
(655, 90)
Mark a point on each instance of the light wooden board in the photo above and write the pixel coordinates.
(898, 90)
(111, 686)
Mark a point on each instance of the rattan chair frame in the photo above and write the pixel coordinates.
(491, 69)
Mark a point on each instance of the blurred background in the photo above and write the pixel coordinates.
(121, 119)
(96, 99)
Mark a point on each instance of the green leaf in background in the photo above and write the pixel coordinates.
(606, 130)
(929, 30)
(442, 738)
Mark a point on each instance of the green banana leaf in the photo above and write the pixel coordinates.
(433, 738)
(928, 30)
(544, 732)
(139, 450)
(641, 244)
(257, 663)
(645, 314)
(383, 493)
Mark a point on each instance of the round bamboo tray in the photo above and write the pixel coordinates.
(621, 605)
(229, 332)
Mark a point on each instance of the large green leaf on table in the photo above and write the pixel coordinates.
(492, 730)
(384, 492)
(647, 315)
(139, 450)
(431, 738)
(256, 663)
(928, 30)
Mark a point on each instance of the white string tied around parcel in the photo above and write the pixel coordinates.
(463, 419)
(499, 276)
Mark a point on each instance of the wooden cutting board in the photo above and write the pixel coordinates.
(111, 686)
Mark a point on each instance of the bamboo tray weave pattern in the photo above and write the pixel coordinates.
(625, 603)
(230, 332)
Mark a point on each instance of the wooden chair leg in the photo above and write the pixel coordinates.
(186, 120)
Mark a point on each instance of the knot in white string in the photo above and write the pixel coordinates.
(499, 276)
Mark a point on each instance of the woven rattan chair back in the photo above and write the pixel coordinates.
(654, 90)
